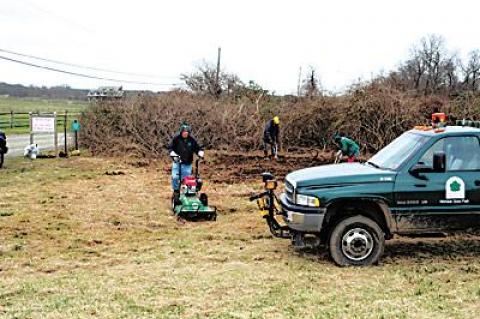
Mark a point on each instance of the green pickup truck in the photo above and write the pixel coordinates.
(426, 181)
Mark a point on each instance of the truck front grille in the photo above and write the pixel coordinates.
(289, 191)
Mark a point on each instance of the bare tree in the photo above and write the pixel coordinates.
(203, 80)
(450, 69)
(311, 84)
(471, 72)
(252, 91)
(430, 68)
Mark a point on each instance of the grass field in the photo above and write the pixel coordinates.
(25, 105)
(76, 242)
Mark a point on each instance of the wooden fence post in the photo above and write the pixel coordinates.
(31, 130)
(55, 133)
(65, 133)
(11, 119)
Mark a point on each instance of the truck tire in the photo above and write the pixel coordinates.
(356, 241)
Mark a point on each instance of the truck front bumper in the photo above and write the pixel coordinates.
(301, 218)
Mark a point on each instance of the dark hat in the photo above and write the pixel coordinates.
(185, 127)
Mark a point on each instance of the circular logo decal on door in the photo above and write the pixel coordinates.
(455, 188)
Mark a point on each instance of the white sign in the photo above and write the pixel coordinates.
(455, 188)
(43, 124)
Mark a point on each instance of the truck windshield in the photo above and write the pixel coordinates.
(398, 151)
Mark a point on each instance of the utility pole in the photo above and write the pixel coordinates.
(299, 81)
(217, 85)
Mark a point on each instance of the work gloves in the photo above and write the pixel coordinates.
(175, 157)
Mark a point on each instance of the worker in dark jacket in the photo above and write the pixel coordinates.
(181, 149)
(3, 147)
(271, 135)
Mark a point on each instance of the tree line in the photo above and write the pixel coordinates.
(430, 68)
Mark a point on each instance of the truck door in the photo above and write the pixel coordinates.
(442, 201)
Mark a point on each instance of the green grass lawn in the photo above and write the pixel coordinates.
(33, 104)
(76, 242)
(25, 105)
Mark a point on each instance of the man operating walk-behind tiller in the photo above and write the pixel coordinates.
(185, 200)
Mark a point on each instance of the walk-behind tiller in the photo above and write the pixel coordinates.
(187, 203)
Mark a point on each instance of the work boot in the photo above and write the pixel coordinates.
(176, 197)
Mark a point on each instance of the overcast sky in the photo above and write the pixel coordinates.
(264, 41)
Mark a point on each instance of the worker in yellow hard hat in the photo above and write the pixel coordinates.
(271, 135)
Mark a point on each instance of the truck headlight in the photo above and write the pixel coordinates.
(305, 200)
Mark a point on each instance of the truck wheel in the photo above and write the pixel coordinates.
(356, 241)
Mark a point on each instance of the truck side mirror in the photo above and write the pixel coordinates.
(439, 160)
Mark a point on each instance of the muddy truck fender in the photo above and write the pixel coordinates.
(375, 208)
